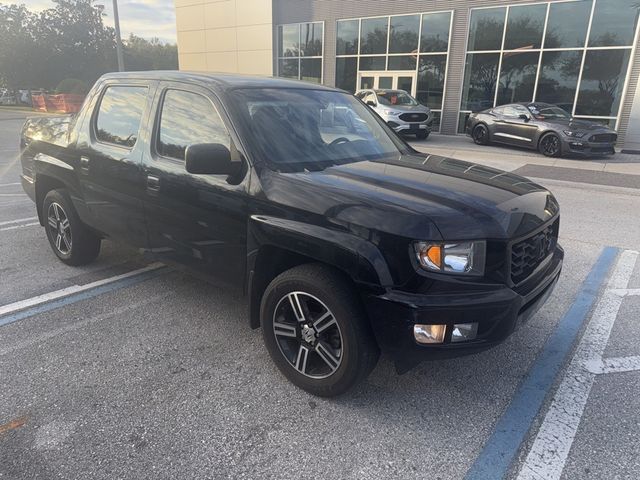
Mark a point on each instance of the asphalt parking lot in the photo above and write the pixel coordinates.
(155, 374)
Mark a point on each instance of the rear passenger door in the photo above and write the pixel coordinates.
(196, 220)
(110, 170)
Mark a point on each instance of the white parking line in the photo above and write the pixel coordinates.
(9, 184)
(19, 220)
(15, 227)
(614, 365)
(65, 292)
(552, 444)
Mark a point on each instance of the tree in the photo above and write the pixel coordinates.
(142, 54)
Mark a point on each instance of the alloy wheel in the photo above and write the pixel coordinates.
(550, 145)
(479, 134)
(308, 335)
(59, 228)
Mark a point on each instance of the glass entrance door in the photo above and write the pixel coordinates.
(392, 80)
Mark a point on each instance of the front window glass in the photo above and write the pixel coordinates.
(298, 129)
(373, 35)
(435, 32)
(567, 24)
(403, 37)
(395, 97)
(480, 77)
(485, 31)
(614, 23)
(602, 82)
(347, 37)
(524, 27)
(119, 115)
(178, 129)
(517, 77)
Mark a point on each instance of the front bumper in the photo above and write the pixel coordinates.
(499, 311)
(401, 126)
(584, 148)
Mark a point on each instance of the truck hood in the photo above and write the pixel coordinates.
(418, 196)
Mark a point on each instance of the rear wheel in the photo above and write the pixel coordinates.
(70, 239)
(480, 135)
(550, 145)
(316, 331)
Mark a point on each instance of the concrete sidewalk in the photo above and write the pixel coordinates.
(512, 158)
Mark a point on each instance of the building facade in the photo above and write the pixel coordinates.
(455, 56)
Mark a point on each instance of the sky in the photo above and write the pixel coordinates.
(145, 18)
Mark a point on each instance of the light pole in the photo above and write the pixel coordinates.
(116, 21)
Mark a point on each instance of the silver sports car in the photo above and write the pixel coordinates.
(547, 128)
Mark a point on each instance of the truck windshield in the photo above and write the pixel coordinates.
(297, 129)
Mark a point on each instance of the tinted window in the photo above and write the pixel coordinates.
(187, 119)
(346, 73)
(311, 39)
(485, 31)
(311, 70)
(435, 32)
(614, 23)
(119, 116)
(373, 63)
(567, 24)
(402, 62)
(602, 82)
(288, 68)
(480, 76)
(347, 37)
(559, 78)
(289, 41)
(431, 72)
(517, 77)
(373, 35)
(403, 37)
(524, 27)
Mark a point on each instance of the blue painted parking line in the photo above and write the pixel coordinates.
(80, 296)
(503, 444)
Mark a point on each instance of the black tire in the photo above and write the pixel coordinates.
(315, 286)
(422, 134)
(71, 241)
(550, 145)
(480, 134)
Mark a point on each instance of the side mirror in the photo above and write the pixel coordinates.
(525, 117)
(210, 159)
(371, 103)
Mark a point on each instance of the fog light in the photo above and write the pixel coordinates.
(429, 333)
(463, 332)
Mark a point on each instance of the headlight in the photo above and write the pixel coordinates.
(571, 133)
(464, 258)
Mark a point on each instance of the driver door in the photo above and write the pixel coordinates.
(516, 126)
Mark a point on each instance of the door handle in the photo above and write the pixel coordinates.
(153, 184)
(84, 165)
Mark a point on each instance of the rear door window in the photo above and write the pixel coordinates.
(188, 118)
(120, 113)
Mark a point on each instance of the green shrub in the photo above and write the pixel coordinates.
(72, 85)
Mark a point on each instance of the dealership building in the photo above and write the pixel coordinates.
(455, 56)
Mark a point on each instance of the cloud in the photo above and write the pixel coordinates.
(144, 18)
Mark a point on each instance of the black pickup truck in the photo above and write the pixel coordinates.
(346, 241)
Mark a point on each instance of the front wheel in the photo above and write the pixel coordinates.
(549, 145)
(315, 330)
(480, 135)
(70, 239)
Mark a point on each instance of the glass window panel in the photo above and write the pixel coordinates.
(346, 73)
(366, 82)
(289, 41)
(567, 24)
(558, 78)
(406, 84)
(480, 76)
(385, 82)
(347, 37)
(462, 122)
(311, 70)
(177, 128)
(373, 63)
(485, 30)
(288, 68)
(431, 72)
(614, 23)
(517, 77)
(402, 62)
(435, 32)
(602, 82)
(607, 122)
(119, 115)
(403, 37)
(524, 27)
(435, 124)
(373, 35)
(311, 39)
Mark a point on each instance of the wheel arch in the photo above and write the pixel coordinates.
(544, 134)
(44, 184)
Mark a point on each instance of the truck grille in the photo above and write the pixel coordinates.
(413, 117)
(603, 138)
(527, 254)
